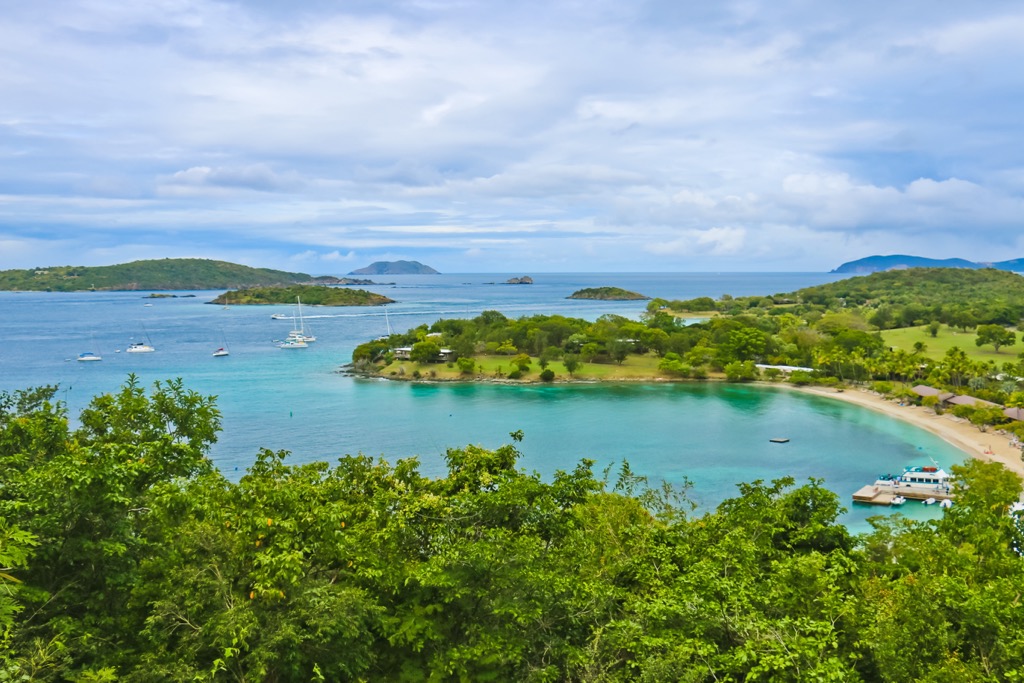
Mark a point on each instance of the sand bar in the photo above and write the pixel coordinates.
(989, 445)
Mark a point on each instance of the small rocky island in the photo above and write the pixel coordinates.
(312, 295)
(524, 280)
(607, 294)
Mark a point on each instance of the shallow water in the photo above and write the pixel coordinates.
(714, 435)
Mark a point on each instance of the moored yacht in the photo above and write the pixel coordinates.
(918, 482)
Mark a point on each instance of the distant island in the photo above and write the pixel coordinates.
(330, 280)
(395, 268)
(313, 295)
(874, 264)
(524, 280)
(607, 294)
(148, 275)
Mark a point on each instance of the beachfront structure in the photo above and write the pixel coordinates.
(1014, 413)
(923, 390)
(784, 369)
(405, 353)
(971, 401)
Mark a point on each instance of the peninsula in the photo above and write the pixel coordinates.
(886, 334)
(312, 295)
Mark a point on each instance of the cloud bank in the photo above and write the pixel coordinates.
(535, 136)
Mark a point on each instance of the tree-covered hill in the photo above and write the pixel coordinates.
(155, 274)
(314, 295)
(924, 286)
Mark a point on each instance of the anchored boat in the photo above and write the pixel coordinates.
(917, 483)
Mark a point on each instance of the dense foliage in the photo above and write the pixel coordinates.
(156, 274)
(314, 295)
(125, 556)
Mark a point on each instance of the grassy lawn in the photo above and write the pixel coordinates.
(634, 367)
(936, 347)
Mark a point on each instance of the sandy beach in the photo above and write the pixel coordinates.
(988, 445)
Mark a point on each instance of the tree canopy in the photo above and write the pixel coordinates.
(126, 556)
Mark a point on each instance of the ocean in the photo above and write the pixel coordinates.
(714, 435)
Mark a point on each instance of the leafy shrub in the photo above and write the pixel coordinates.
(547, 375)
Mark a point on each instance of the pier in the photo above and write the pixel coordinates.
(883, 495)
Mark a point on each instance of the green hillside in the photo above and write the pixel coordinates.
(156, 274)
(314, 295)
(923, 286)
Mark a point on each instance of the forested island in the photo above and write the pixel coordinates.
(151, 566)
(607, 294)
(946, 328)
(154, 274)
(313, 295)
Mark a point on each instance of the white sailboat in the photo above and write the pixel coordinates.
(298, 332)
(139, 347)
(223, 350)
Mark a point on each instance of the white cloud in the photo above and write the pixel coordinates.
(505, 134)
(720, 241)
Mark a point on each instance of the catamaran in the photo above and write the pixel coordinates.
(299, 333)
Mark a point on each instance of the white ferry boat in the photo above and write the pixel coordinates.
(918, 483)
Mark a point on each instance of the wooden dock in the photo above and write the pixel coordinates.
(884, 495)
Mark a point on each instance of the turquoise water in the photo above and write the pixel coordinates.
(715, 435)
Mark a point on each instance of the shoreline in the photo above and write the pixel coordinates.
(987, 446)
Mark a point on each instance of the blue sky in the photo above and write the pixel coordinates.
(553, 135)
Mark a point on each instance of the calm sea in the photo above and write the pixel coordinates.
(715, 435)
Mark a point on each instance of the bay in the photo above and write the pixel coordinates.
(712, 434)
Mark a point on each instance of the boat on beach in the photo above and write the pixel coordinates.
(924, 483)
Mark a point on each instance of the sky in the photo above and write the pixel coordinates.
(531, 136)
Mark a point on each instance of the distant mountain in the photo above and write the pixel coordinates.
(395, 268)
(155, 274)
(874, 264)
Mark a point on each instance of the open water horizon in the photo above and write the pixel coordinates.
(715, 435)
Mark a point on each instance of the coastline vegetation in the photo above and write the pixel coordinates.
(952, 329)
(150, 566)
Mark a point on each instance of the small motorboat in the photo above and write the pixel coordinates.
(929, 501)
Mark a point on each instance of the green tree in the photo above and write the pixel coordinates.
(996, 335)
(571, 361)
(425, 352)
(466, 365)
